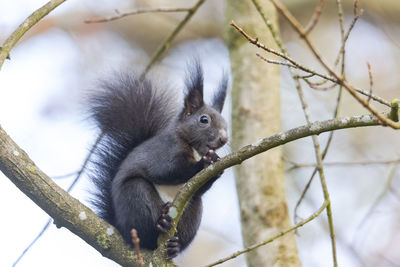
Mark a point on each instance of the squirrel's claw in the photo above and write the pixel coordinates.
(164, 222)
(173, 247)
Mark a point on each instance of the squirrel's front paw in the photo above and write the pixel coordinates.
(173, 247)
(164, 222)
(210, 158)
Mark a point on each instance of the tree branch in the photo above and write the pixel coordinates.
(64, 209)
(24, 27)
(164, 47)
(135, 12)
(70, 187)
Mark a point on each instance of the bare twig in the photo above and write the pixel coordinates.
(355, 9)
(63, 176)
(318, 87)
(296, 165)
(34, 18)
(166, 44)
(385, 190)
(341, 27)
(270, 26)
(346, 36)
(300, 224)
(119, 15)
(164, 47)
(315, 16)
(136, 247)
(277, 62)
(371, 96)
(371, 81)
(44, 229)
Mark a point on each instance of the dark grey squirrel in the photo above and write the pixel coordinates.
(148, 149)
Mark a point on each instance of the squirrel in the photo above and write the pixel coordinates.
(148, 149)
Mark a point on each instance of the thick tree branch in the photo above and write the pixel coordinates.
(70, 187)
(24, 27)
(65, 210)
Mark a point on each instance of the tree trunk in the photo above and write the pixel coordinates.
(256, 114)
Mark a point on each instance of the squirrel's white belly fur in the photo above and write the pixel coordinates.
(167, 192)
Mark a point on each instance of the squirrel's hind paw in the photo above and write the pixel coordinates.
(164, 222)
(173, 247)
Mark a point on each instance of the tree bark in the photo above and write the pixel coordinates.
(256, 114)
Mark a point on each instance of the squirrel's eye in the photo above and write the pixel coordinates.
(204, 119)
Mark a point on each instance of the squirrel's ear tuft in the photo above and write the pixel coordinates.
(194, 87)
(220, 95)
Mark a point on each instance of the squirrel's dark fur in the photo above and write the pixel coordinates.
(147, 144)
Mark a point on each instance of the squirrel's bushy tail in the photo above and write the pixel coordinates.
(127, 110)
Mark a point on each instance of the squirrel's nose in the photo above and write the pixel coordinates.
(223, 137)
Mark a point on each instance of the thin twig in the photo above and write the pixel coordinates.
(310, 75)
(44, 229)
(135, 12)
(315, 16)
(318, 87)
(277, 62)
(371, 81)
(136, 247)
(385, 190)
(341, 164)
(346, 36)
(374, 97)
(270, 26)
(300, 224)
(63, 176)
(166, 44)
(34, 18)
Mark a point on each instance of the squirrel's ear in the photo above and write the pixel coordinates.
(194, 88)
(220, 95)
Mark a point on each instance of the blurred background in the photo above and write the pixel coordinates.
(42, 107)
